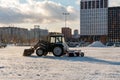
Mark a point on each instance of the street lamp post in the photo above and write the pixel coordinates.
(66, 14)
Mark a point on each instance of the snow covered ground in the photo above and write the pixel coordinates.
(98, 64)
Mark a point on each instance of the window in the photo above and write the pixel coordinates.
(93, 4)
(101, 4)
(89, 5)
(52, 40)
(97, 4)
(85, 5)
(58, 40)
(82, 5)
(105, 3)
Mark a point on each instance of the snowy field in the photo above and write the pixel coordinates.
(98, 64)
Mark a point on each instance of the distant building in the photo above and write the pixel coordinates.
(94, 19)
(37, 33)
(13, 34)
(114, 24)
(76, 34)
(67, 33)
(21, 35)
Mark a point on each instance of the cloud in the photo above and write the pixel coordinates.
(114, 3)
(78, 2)
(12, 11)
(8, 15)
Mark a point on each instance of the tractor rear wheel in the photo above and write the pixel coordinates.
(40, 52)
(58, 51)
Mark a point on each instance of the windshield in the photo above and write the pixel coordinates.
(63, 39)
(52, 40)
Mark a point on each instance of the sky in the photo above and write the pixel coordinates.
(46, 13)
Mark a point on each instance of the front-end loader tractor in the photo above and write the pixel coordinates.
(55, 44)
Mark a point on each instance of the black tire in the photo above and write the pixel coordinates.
(82, 54)
(40, 52)
(58, 51)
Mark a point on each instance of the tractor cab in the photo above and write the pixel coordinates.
(56, 38)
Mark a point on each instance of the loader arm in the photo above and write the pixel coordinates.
(40, 43)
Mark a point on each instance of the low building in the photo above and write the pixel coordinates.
(67, 33)
(76, 34)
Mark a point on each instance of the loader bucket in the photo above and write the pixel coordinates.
(28, 52)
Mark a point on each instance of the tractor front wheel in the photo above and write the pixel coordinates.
(82, 54)
(58, 51)
(40, 52)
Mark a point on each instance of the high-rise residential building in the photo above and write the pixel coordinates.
(13, 34)
(93, 19)
(67, 33)
(21, 35)
(114, 24)
(38, 33)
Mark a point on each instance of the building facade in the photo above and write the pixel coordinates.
(21, 35)
(38, 33)
(114, 24)
(67, 33)
(13, 34)
(93, 19)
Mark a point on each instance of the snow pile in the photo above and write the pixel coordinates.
(96, 44)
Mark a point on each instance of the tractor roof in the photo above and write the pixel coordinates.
(56, 35)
